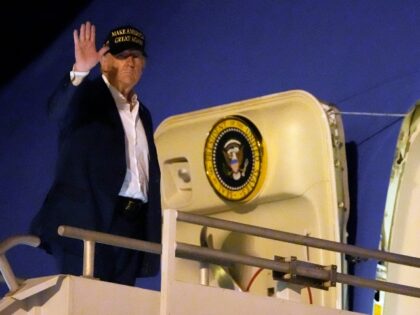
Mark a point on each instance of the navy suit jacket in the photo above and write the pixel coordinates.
(91, 167)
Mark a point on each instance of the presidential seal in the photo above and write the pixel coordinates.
(233, 158)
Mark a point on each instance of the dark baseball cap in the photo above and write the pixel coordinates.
(124, 38)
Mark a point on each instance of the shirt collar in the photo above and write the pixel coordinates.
(121, 102)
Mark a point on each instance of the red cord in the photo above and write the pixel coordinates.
(253, 279)
(310, 295)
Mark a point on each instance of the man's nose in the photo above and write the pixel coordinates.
(130, 59)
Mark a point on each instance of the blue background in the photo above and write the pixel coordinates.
(362, 56)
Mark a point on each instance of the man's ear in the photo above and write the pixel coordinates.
(105, 63)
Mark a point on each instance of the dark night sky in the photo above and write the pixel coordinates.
(27, 28)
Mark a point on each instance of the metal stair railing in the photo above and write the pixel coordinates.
(327, 274)
(183, 250)
(5, 269)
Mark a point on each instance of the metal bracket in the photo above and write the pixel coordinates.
(291, 275)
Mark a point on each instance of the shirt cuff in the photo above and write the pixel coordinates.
(76, 77)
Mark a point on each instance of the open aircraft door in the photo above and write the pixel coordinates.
(276, 161)
(400, 231)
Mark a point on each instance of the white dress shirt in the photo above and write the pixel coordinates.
(136, 148)
(136, 179)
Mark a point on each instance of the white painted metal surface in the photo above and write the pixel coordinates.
(303, 189)
(402, 218)
(70, 295)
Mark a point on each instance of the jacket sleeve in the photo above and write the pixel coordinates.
(61, 98)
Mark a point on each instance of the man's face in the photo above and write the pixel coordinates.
(124, 70)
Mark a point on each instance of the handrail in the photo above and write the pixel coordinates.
(89, 239)
(110, 239)
(220, 257)
(5, 269)
(13, 241)
(298, 239)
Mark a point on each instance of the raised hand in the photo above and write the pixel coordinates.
(85, 51)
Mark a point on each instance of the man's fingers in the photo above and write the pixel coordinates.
(87, 33)
(92, 33)
(82, 35)
(88, 30)
(76, 38)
